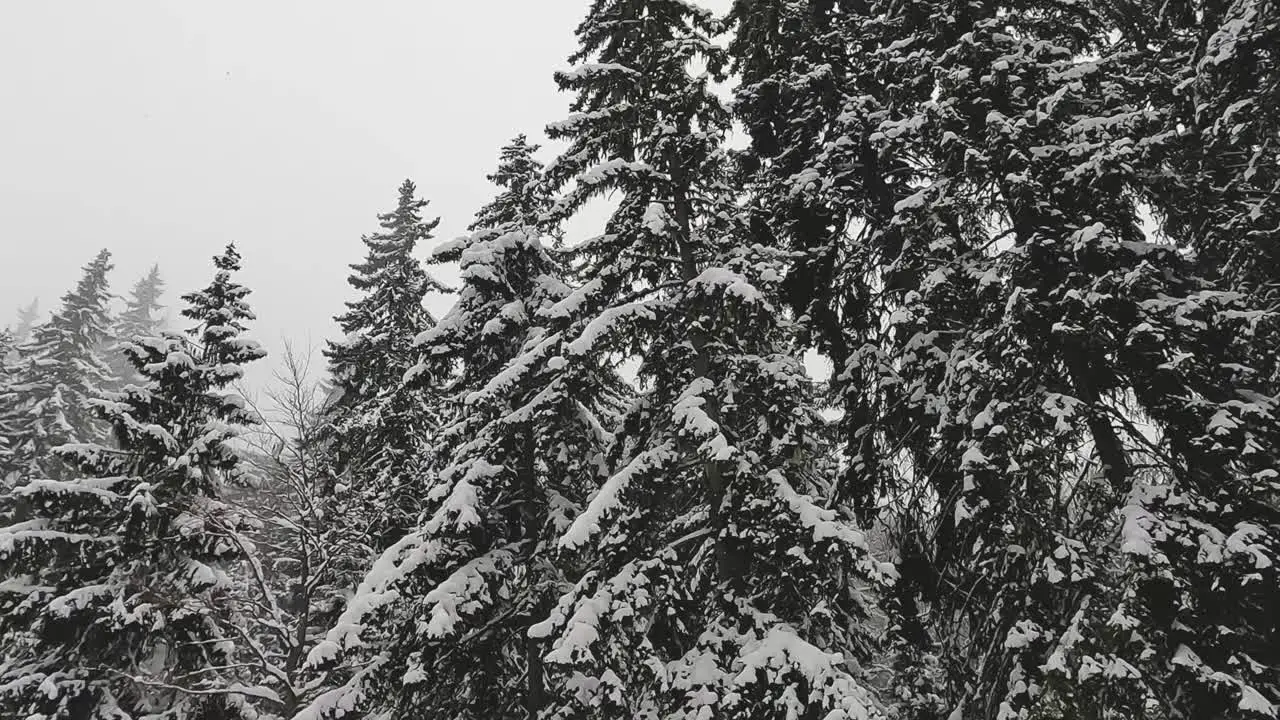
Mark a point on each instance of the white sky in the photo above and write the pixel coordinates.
(163, 129)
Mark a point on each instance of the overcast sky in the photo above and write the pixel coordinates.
(163, 129)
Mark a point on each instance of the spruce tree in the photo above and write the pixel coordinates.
(1081, 423)
(719, 582)
(141, 318)
(376, 421)
(8, 431)
(521, 451)
(1215, 74)
(59, 369)
(793, 59)
(27, 316)
(114, 584)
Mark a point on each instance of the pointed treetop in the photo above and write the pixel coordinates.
(221, 313)
(140, 317)
(84, 311)
(519, 175)
(61, 369)
(388, 311)
(93, 282)
(27, 316)
(406, 219)
(150, 285)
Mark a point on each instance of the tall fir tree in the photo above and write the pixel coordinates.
(1076, 420)
(8, 431)
(114, 586)
(377, 422)
(794, 61)
(1215, 73)
(59, 369)
(28, 315)
(719, 582)
(519, 455)
(142, 317)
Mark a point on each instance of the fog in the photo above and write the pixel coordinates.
(164, 130)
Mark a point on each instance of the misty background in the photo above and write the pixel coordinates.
(163, 130)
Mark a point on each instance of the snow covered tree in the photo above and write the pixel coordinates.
(445, 613)
(7, 349)
(59, 369)
(1073, 413)
(793, 59)
(1212, 180)
(114, 582)
(141, 318)
(27, 317)
(7, 429)
(142, 314)
(718, 581)
(377, 422)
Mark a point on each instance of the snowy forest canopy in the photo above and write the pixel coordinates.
(1038, 243)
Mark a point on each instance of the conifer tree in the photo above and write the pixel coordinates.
(1058, 379)
(59, 369)
(719, 584)
(27, 316)
(114, 585)
(521, 452)
(377, 422)
(793, 59)
(1215, 74)
(141, 318)
(7, 429)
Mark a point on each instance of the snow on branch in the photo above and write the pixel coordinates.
(376, 590)
(823, 522)
(606, 322)
(735, 284)
(782, 657)
(514, 371)
(466, 590)
(609, 496)
(691, 417)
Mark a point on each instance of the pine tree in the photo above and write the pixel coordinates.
(521, 452)
(8, 431)
(377, 422)
(719, 583)
(1216, 75)
(141, 318)
(27, 316)
(59, 369)
(1053, 379)
(794, 61)
(114, 584)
